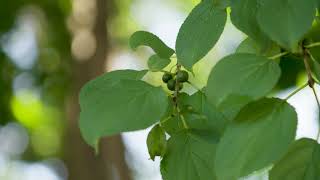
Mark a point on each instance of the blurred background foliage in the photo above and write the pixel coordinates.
(49, 49)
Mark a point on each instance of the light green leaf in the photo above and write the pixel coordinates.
(302, 162)
(199, 33)
(117, 102)
(250, 46)
(143, 38)
(238, 79)
(156, 63)
(259, 136)
(189, 156)
(286, 21)
(243, 16)
(156, 142)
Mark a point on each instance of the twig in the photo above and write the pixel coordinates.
(307, 66)
(311, 80)
(312, 45)
(318, 103)
(296, 91)
(279, 55)
(185, 125)
(176, 98)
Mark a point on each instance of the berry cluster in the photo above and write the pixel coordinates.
(171, 79)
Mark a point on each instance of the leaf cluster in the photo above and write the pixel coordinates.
(232, 127)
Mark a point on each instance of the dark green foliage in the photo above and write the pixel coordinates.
(156, 63)
(286, 22)
(302, 161)
(229, 129)
(260, 135)
(244, 17)
(248, 77)
(189, 157)
(7, 73)
(199, 33)
(143, 38)
(157, 142)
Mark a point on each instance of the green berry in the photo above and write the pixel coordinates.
(171, 84)
(180, 86)
(166, 77)
(182, 76)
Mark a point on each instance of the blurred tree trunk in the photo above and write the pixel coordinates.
(81, 162)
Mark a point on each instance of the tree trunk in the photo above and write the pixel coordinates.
(81, 162)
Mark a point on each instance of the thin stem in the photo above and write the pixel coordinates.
(311, 56)
(318, 103)
(185, 125)
(176, 98)
(311, 81)
(315, 95)
(279, 55)
(312, 45)
(176, 92)
(306, 56)
(296, 91)
(165, 120)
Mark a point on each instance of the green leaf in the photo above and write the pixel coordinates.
(156, 63)
(221, 3)
(286, 21)
(215, 120)
(238, 79)
(250, 46)
(143, 38)
(172, 125)
(198, 113)
(156, 142)
(243, 16)
(199, 33)
(302, 161)
(117, 102)
(170, 122)
(195, 121)
(259, 136)
(189, 157)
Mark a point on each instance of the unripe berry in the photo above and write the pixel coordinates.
(180, 86)
(182, 76)
(171, 84)
(166, 77)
